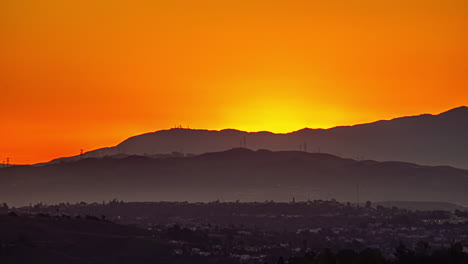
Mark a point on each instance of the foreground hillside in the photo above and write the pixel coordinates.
(237, 174)
(314, 232)
(63, 239)
(425, 139)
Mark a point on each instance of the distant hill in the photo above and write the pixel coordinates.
(236, 174)
(426, 139)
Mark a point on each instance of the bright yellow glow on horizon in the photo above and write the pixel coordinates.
(84, 74)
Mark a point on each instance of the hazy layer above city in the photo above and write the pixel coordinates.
(237, 174)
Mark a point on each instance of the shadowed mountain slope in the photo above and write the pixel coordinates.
(230, 175)
(426, 139)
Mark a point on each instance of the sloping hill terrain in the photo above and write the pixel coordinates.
(237, 174)
(58, 240)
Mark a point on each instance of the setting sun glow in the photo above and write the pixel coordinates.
(88, 74)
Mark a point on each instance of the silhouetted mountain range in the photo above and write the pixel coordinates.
(425, 139)
(237, 174)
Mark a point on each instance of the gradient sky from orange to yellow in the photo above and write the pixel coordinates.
(83, 74)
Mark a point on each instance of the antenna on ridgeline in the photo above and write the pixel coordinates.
(7, 162)
(81, 153)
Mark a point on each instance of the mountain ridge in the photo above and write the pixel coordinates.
(236, 174)
(400, 139)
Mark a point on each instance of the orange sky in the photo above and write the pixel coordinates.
(79, 74)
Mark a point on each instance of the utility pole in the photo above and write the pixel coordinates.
(357, 194)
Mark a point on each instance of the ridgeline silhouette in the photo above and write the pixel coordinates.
(424, 139)
(237, 174)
